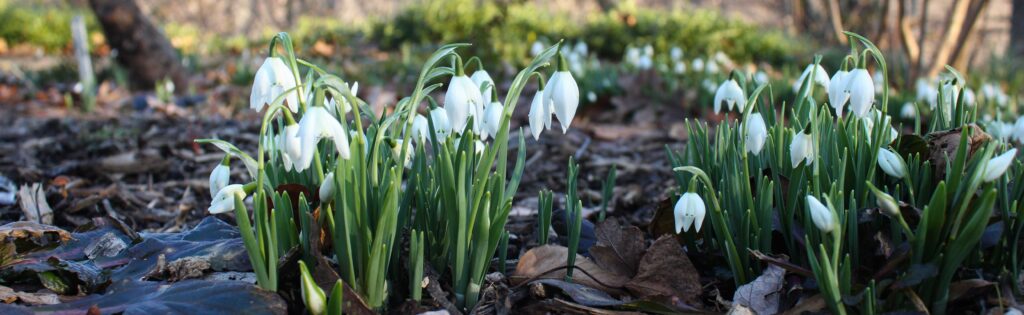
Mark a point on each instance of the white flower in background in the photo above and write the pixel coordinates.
(712, 66)
(420, 128)
(591, 96)
(891, 163)
(442, 126)
(675, 53)
(709, 85)
(632, 56)
(757, 133)
(317, 124)
(698, 64)
(1018, 129)
(886, 203)
(801, 149)
(648, 50)
(564, 96)
(645, 62)
(220, 177)
(680, 67)
(908, 111)
(480, 77)
(580, 48)
(327, 188)
(879, 82)
(761, 77)
(290, 146)
(461, 102)
(820, 78)
(821, 215)
(224, 200)
(722, 58)
(838, 96)
(861, 91)
(968, 96)
(492, 118)
(272, 79)
(997, 166)
(540, 115)
(689, 211)
(876, 116)
(730, 93)
(1000, 130)
(396, 151)
(926, 92)
(536, 48)
(479, 147)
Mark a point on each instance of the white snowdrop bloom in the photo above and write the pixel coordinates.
(219, 177)
(480, 78)
(821, 215)
(891, 163)
(396, 151)
(1000, 130)
(886, 203)
(968, 97)
(1018, 129)
(479, 147)
(698, 64)
(317, 124)
(801, 149)
(540, 115)
(492, 118)
(757, 133)
(645, 62)
(761, 77)
(272, 79)
(730, 93)
(675, 53)
(580, 48)
(876, 116)
(950, 94)
(879, 81)
(290, 145)
(689, 211)
(632, 56)
(536, 48)
(709, 85)
(838, 96)
(680, 67)
(908, 111)
(327, 188)
(461, 101)
(591, 96)
(712, 66)
(997, 166)
(722, 58)
(442, 126)
(564, 96)
(861, 91)
(224, 200)
(648, 50)
(820, 77)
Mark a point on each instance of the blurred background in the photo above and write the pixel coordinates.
(106, 96)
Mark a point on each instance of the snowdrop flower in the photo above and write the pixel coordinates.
(327, 188)
(220, 176)
(837, 93)
(908, 111)
(291, 145)
(675, 53)
(632, 56)
(689, 211)
(820, 214)
(420, 128)
(698, 64)
(224, 200)
(480, 77)
(492, 118)
(442, 126)
(312, 295)
(317, 124)
(869, 125)
(563, 94)
(820, 77)
(536, 48)
(540, 115)
(801, 149)
(996, 166)
(272, 79)
(891, 163)
(396, 151)
(879, 82)
(761, 77)
(645, 62)
(580, 48)
(1018, 129)
(861, 91)
(757, 133)
(950, 93)
(648, 50)
(591, 96)
(1000, 130)
(886, 203)
(712, 66)
(730, 93)
(479, 147)
(461, 101)
(968, 97)
(926, 92)
(680, 67)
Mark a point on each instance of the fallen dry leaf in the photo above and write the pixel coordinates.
(40, 234)
(968, 288)
(548, 262)
(808, 305)
(619, 248)
(666, 271)
(8, 295)
(943, 145)
(33, 204)
(762, 295)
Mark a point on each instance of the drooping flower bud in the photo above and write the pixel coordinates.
(821, 215)
(689, 210)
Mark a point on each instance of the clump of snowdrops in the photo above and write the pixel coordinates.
(327, 166)
(811, 178)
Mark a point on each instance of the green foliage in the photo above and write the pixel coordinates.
(48, 27)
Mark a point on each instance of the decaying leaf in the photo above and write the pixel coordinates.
(581, 294)
(8, 295)
(762, 295)
(132, 162)
(548, 262)
(666, 271)
(968, 288)
(36, 233)
(33, 204)
(807, 305)
(619, 248)
(943, 145)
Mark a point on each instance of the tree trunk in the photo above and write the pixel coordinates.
(954, 27)
(141, 47)
(1017, 29)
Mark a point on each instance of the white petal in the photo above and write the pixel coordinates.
(537, 112)
(327, 188)
(862, 91)
(997, 166)
(565, 97)
(757, 133)
(821, 215)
